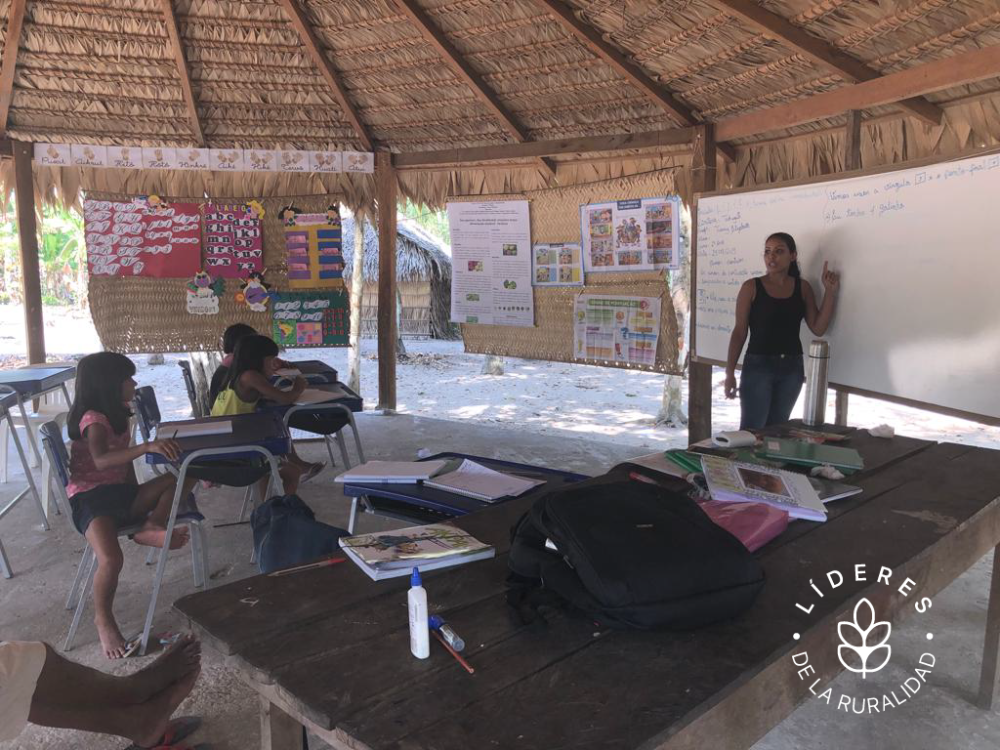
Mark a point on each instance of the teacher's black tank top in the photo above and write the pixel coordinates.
(775, 323)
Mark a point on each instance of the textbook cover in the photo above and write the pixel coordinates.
(737, 482)
(395, 553)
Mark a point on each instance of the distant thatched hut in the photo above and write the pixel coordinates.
(423, 277)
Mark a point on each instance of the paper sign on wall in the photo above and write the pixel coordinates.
(313, 243)
(312, 318)
(631, 235)
(616, 329)
(557, 264)
(143, 237)
(203, 294)
(234, 245)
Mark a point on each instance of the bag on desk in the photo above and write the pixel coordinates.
(630, 555)
(286, 533)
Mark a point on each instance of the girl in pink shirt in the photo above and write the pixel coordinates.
(103, 490)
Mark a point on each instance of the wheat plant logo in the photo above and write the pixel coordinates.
(864, 640)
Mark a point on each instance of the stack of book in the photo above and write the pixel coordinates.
(395, 553)
(740, 482)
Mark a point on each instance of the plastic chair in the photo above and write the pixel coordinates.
(58, 457)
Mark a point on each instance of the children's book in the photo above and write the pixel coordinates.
(738, 482)
(828, 490)
(811, 454)
(482, 483)
(391, 472)
(395, 553)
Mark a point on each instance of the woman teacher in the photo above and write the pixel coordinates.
(772, 308)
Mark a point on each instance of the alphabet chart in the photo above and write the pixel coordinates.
(143, 237)
(311, 318)
(234, 245)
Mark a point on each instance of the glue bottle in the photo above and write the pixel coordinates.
(416, 602)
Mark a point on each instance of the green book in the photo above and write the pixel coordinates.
(811, 454)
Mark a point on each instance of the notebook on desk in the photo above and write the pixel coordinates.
(482, 483)
(811, 454)
(170, 431)
(391, 472)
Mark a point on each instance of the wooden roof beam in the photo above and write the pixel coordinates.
(316, 50)
(15, 21)
(968, 67)
(591, 39)
(821, 52)
(463, 70)
(167, 8)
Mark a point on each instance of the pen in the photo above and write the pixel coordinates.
(453, 652)
(309, 566)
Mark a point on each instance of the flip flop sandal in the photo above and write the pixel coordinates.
(313, 471)
(132, 646)
(178, 729)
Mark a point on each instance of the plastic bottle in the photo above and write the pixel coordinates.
(450, 636)
(416, 602)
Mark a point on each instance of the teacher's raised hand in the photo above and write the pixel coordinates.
(831, 279)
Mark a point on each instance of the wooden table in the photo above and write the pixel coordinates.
(328, 649)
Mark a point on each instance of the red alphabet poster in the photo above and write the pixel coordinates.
(143, 237)
(234, 245)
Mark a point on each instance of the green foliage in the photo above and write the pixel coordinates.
(435, 222)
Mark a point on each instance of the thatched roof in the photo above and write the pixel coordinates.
(105, 71)
(419, 256)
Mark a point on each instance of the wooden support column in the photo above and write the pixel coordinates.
(385, 187)
(27, 231)
(703, 171)
(357, 306)
(852, 141)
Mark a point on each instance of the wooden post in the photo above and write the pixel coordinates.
(27, 231)
(357, 305)
(278, 730)
(988, 675)
(385, 188)
(699, 374)
(852, 141)
(840, 416)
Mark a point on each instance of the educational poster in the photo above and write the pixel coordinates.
(491, 263)
(234, 243)
(203, 293)
(616, 329)
(631, 235)
(315, 256)
(312, 318)
(557, 265)
(143, 237)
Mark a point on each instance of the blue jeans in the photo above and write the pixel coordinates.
(769, 388)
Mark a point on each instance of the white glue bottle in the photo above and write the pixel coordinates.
(416, 602)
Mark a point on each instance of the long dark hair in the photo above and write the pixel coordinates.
(233, 334)
(793, 268)
(99, 380)
(250, 353)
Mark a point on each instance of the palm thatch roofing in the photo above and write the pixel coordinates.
(419, 256)
(440, 74)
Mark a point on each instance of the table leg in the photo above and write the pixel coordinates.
(4, 563)
(278, 730)
(988, 676)
(27, 469)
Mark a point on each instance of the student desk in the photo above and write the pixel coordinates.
(329, 649)
(315, 371)
(8, 398)
(30, 382)
(419, 504)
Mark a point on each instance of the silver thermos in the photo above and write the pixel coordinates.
(817, 370)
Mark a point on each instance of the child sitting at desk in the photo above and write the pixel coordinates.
(104, 494)
(247, 382)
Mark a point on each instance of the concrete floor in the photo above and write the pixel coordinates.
(939, 716)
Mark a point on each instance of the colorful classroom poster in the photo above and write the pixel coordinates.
(491, 263)
(143, 237)
(234, 243)
(311, 318)
(616, 329)
(557, 265)
(315, 255)
(631, 235)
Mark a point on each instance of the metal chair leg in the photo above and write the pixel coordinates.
(203, 548)
(196, 571)
(161, 564)
(84, 562)
(4, 563)
(354, 515)
(81, 604)
(329, 450)
(343, 449)
(246, 501)
(357, 437)
(28, 476)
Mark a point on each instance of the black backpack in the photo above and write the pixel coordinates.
(629, 555)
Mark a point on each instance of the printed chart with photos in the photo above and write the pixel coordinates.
(234, 243)
(311, 318)
(145, 236)
(491, 263)
(557, 264)
(313, 242)
(631, 235)
(616, 329)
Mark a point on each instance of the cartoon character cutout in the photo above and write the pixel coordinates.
(333, 215)
(255, 210)
(203, 293)
(156, 204)
(254, 292)
(288, 215)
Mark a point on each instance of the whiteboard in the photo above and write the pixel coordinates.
(918, 250)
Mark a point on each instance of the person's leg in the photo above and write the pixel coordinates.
(102, 534)
(153, 502)
(785, 390)
(755, 392)
(290, 475)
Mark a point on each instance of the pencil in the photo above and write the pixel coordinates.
(453, 652)
(309, 566)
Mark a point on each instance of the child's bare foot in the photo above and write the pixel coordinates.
(112, 640)
(149, 719)
(181, 658)
(153, 536)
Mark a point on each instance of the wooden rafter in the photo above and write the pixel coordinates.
(819, 51)
(968, 67)
(14, 24)
(167, 8)
(316, 50)
(463, 70)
